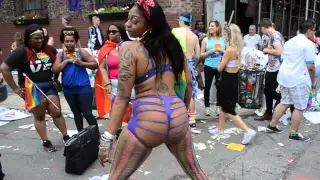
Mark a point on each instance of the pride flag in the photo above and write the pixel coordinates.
(32, 98)
(181, 84)
(218, 47)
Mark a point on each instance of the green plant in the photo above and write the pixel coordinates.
(109, 10)
(30, 15)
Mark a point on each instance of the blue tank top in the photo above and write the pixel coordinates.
(75, 79)
(214, 59)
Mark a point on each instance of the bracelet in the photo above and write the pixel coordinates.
(106, 136)
(108, 84)
(106, 140)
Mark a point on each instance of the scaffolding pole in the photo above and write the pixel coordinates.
(314, 9)
(282, 19)
(259, 16)
(307, 10)
(290, 19)
(271, 10)
(299, 12)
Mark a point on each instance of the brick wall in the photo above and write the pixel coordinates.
(56, 8)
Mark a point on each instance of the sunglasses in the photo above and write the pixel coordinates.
(68, 33)
(112, 31)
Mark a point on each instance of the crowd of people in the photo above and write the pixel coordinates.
(156, 68)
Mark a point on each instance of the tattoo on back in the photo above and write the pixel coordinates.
(163, 89)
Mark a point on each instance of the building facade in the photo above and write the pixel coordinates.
(51, 11)
(286, 14)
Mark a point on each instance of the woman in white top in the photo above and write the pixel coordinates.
(228, 85)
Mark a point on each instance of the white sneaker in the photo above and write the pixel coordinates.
(207, 111)
(248, 136)
(216, 131)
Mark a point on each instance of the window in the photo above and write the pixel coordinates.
(31, 7)
(110, 3)
(28, 5)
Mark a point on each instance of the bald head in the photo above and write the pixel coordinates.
(252, 30)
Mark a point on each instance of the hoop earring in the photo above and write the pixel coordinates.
(144, 34)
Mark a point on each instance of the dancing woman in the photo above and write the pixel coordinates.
(152, 66)
(35, 59)
(228, 85)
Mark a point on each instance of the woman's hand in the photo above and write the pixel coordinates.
(212, 51)
(77, 62)
(108, 88)
(20, 92)
(104, 154)
(105, 147)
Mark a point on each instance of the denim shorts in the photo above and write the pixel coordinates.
(47, 88)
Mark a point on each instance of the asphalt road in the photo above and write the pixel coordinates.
(24, 158)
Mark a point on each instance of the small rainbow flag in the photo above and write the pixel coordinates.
(218, 47)
(32, 98)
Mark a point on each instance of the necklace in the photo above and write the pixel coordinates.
(72, 55)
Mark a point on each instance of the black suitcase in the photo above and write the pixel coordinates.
(1, 173)
(81, 150)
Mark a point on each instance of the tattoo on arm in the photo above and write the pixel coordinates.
(126, 61)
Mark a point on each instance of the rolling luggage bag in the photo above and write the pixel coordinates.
(81, 150)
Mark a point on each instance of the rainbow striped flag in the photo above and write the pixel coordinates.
(32, 98)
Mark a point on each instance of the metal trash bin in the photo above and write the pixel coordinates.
(251, 89)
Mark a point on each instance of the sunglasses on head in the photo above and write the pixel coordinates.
(112, 31)
(68, 33)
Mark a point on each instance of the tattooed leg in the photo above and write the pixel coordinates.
(184, 152)
(130, 154)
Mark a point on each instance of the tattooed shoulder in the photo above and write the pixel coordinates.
(143, 50)
(126, 61)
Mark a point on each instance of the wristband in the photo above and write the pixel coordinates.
(107, 136)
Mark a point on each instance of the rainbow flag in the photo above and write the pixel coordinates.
(180, 86)
(32, 98)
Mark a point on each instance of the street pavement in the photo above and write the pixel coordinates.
(264, 159)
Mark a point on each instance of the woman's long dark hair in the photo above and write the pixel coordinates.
(122, 31)
(161, 43)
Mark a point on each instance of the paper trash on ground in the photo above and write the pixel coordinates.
(235, 147)
(313, 117)
(7, 114)
(105, 177)
(2, 123)
(199, 146)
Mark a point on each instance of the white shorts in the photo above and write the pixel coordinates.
(297, 96)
